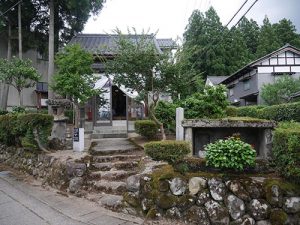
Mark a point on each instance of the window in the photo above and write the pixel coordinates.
(42, 86)
(231, 92)
(246, 85)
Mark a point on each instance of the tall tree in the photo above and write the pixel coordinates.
(20, 74)
(268, 41)
(250, 32)
(286, 32)
(75, 76)
(137, 65)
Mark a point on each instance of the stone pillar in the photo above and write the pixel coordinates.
(188, 136)
(265, 150)
(179, 128)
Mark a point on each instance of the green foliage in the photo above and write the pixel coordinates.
(75, 74)
(166, 113)
(18, 73)
(3, 112)
(70, 114)
(211, 103)
(231, 111)
(17, 129)
(282, 112)
(169, 151)
(18, 109)
(146, 128)
(250, 111)
(280, 91)
(138, 64)
(286, 154)
(231, 153)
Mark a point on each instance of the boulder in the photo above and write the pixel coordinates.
(147, 204)
(196, 215)
(75, 184)
(278, 217)
(165, 201)
(274, 196)
(133, 183)
(202, 197)
(217, 189)
(292, 205)
(263, 222)
(255, 189)
(238, 189)
(164, 186)
(177, 186)
(259, 209)
(131, 199)
(173, 213)
(236, 206)
(75, 169)
(217, 213)
(195, 184)
(245, 220)
(186, 201)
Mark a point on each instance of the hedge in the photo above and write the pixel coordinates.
(282, 112)
(169, 151)
(286, 150)
(146, 128)
(17, 129)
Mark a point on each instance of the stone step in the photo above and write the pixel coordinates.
(113, 202)
(121, 165)
(110, 175)
(100, 151)
(109, 135)
(114, 158)
(112, 187)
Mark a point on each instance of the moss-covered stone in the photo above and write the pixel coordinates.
(164, 186)
(186, 201)
(165, 201)
(131, 199)
(288, 189)
(278, 217)
(152, 213)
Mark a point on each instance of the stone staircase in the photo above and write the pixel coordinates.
(109, 132)
(113, 161)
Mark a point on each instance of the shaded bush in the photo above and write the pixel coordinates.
(146, 128)
(70, 114)
(250, 111)
(231, 153)
(286, 150)
(231, 111)
(165, 112)
(282, 112)
(169, 151)
(17, 129)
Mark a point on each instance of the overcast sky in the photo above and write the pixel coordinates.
(170, 17)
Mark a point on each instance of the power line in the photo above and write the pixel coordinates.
(236, 13)
(2, 14)
(245, 13)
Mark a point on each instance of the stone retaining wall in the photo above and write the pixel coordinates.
(201, 200)
(56, 170)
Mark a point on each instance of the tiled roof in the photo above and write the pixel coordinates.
(166, 43)
(105, 44)
(216, 79)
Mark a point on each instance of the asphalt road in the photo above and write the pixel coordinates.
(25, 204)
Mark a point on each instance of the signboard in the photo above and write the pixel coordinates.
(76, 135)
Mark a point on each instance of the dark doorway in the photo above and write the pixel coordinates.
(118, 104)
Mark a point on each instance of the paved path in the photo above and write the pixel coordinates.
(24, 204)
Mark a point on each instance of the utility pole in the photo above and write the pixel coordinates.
(51, 51)
(20, 31)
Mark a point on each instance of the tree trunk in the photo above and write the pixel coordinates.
(160, 124)
(77, 117)
(20, 98)
(20, 31)
(51, 51)
(5, 87)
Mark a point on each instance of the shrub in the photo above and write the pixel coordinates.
(18, 129)
(165, 112)
(286, 150)
(3, 112)
(249, 111)
(211, 103)
(282, 112)
(231, 153)
(169, 151)
(231, 111)
(70, 114)
(146, 128)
